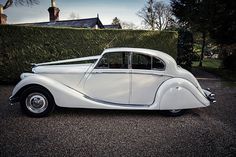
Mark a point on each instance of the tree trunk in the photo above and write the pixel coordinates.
(153, 25)
(203, 48)
(153, 22)
(160, 23)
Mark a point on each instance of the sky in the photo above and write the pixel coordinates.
(125, 10)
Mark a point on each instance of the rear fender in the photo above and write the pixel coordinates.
(178, 93)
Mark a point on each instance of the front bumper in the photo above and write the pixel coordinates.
(13, 100)
(210, 95)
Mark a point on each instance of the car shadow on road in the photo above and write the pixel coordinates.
(103, 112)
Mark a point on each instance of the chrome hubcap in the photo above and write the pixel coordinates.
(175, 111)
(36, 102)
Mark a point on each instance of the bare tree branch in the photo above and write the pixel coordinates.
(147, 13)
(156, 15)
(9, 3)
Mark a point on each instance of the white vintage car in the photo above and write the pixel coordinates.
(119, 78)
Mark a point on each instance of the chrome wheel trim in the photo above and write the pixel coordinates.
(36, 103)
(175, 111)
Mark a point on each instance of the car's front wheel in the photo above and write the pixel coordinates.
(37, 101)
(174, 113)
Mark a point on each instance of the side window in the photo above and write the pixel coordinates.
(140, 61)
(157, 64)
(115, 60)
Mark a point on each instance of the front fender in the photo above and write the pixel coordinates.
(31, 79)
(63, 95)
(178, 93)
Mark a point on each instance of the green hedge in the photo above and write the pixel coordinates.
(22, 45)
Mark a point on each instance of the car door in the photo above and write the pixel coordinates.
(110, 80)
(146, 76)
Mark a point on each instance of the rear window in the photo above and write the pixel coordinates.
(157, 64)
(140, 61)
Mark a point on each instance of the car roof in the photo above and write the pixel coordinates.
(155, 53)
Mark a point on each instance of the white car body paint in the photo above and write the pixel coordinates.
(85, 86)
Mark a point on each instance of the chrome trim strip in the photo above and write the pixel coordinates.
(74, 73)
(106, 72)
(148, 74)
(116, 104)
(98, 72)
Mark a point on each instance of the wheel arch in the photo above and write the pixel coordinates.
(24, 88)
(33, 80)
(59, 91)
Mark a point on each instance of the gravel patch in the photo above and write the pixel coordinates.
(207, 131)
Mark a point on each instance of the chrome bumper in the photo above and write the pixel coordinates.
(210, 96)
(13, 100)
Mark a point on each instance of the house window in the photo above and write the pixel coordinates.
(115, 60)
(140, 61)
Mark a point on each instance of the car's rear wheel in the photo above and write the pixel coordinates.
(174, 113)
(37, 101)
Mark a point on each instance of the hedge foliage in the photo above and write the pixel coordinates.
(22, 45)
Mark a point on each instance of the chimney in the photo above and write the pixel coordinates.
(53, 12)
(3, 17)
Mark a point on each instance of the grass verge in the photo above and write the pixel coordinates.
(214, 66)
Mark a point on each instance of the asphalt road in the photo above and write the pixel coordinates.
(79, 132)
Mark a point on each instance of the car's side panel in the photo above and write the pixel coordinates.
(68, 97)
(109, 85)
(175, 93)
(72, 80)
(178, 93)
(144, 84)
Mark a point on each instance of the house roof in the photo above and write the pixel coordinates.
(118, 26)
(81, 23)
